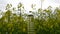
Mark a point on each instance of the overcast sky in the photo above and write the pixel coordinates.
(27, 3)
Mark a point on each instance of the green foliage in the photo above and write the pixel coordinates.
(45, 23)
(49, 25)
(8, 6)
(12, 24)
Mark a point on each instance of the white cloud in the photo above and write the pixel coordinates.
(50, 3)
(27, 3)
